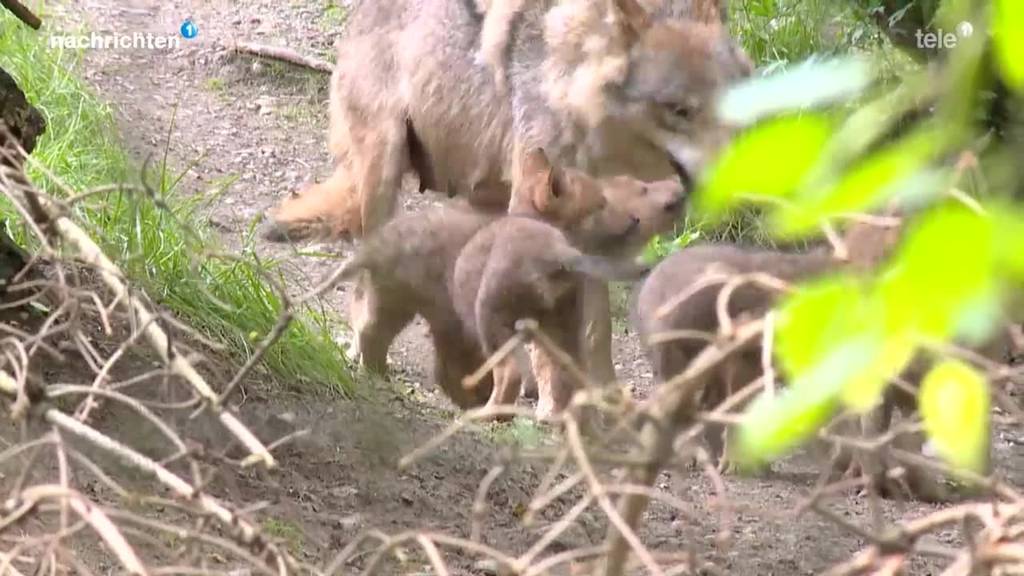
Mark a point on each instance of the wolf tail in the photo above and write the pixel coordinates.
(607, 269)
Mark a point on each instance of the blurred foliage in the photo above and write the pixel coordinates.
(954, 404)
(816, 151)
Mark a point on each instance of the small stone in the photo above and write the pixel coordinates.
(488, 567)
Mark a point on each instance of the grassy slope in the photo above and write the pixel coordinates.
(227, 300)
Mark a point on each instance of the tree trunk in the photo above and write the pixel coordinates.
(22, 123)
(22, 119)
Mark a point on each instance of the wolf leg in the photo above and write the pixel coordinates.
(376, 323)
(384, 160)
(456, 357)
(597, 331)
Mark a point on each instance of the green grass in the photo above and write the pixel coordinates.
(160, 248)
(778, 32)
(287, 532)
(334, 16)
(520, 432)
(303, 113)
(745, 227)
(215, 85)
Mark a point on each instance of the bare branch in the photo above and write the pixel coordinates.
(283, 54)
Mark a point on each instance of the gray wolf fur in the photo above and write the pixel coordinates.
(407, 94)
(519, 268)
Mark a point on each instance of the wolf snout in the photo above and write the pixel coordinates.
(685, 178)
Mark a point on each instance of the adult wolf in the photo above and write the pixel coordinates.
(606, 86)
(628, 92)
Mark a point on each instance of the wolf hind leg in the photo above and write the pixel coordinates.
(384, 161)
(376, 320)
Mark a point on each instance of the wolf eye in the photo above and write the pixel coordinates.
(683, 111)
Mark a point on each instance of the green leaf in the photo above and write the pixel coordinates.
(1009, 240)
(832, 334)
(820, 345)
(870, 123)
(1008, 33)
(810, 84)
(865, 388)
(954, 405)
(874, 180)
(978, 317)
(769, 161)
(775, 425)
(812, 320)
(942, 281)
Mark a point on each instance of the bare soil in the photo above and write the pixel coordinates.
(263, 124)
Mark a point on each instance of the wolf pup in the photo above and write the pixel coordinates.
(681, 272)
(867, 246)
(517, 268)
(406, 267)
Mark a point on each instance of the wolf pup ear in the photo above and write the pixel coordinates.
(635, 18)
(541, 180)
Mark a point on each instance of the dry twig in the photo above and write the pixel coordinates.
(283, 54)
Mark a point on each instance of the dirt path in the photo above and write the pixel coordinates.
(252, 132)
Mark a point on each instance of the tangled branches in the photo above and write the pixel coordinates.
(102, 445)
(615, 468)
(62, 310)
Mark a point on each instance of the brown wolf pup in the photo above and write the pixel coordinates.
(605, 86)
(517, 268)
(402, 271)
(920, 483)
(676, 275)
(867, 246)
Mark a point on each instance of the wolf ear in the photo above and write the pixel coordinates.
(634, 17)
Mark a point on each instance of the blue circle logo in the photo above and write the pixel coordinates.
(188, 29)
